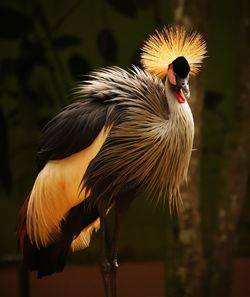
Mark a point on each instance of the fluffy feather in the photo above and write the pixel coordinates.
(151, 145)
(162, 48)
(83, 239)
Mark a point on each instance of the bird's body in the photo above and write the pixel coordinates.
(126, 131)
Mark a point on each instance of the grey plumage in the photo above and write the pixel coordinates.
(150, 143)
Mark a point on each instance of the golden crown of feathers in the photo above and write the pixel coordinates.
(162, 48)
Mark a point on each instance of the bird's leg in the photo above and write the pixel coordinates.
(105, 265)
(114, 250)
(121, 206)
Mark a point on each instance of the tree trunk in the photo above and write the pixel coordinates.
(185, 263)
(236, 173)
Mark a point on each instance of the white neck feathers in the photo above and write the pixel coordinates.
(181, 128)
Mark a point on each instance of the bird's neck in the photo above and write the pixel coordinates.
(181, 118)
(176, 105)
(181, 128)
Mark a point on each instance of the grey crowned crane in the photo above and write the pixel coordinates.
(127, 131)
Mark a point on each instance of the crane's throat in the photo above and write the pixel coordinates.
(180, 96)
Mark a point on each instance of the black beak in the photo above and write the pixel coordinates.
(182, 83)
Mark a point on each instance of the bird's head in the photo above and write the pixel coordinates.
(178, 77)
(174, 54)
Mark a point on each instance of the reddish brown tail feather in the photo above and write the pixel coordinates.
(21, 224)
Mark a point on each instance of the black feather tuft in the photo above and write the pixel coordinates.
(181, 67)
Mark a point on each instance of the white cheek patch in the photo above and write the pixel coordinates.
(171, 75)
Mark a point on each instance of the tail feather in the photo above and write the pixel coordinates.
(21, 224)
(52, 258)
(47, 260)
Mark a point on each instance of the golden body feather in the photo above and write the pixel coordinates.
(56, 190)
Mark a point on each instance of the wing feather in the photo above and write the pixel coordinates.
(71, 131)
(56, 190)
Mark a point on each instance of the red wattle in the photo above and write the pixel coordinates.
(180, 97)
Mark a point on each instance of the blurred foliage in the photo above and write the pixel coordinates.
(46, 46)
